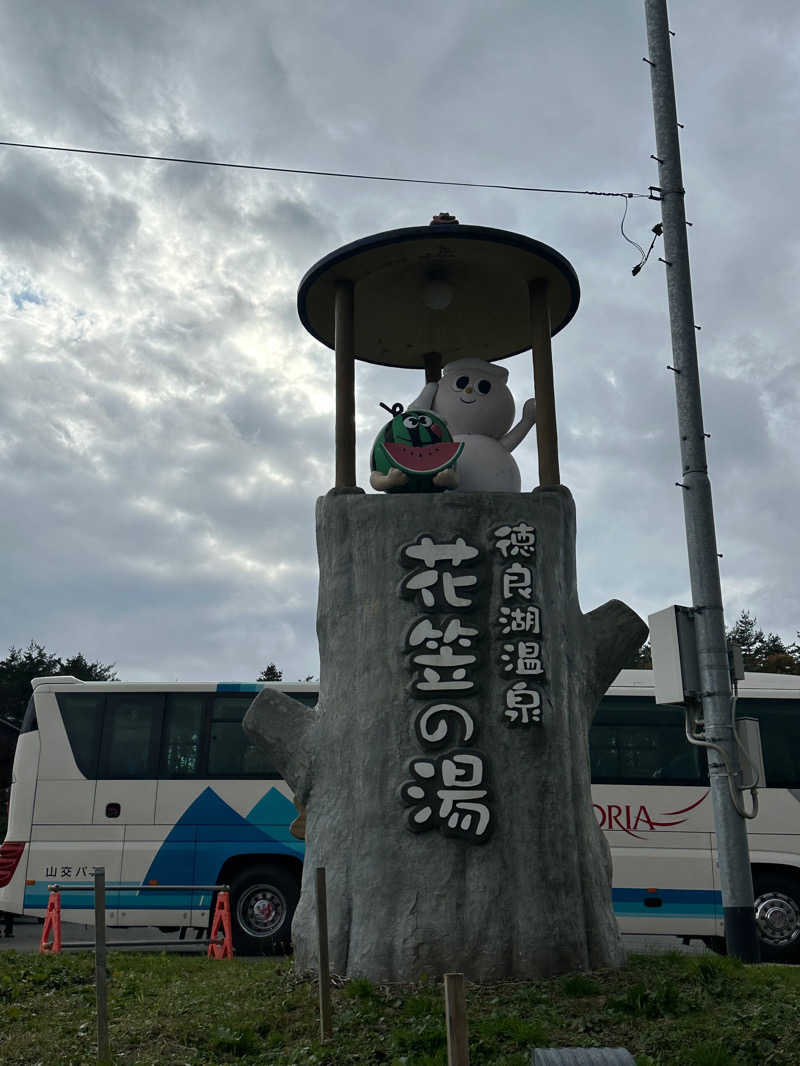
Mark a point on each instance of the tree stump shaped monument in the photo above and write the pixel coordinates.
(445, 770)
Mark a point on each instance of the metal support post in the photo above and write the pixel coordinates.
(734, 861)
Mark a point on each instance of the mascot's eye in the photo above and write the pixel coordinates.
(462, 382)
(423, 420)
(410, 421)
(484, 386)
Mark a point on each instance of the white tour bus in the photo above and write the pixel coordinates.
(158, 784)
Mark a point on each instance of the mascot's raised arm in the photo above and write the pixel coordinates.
(474, 400)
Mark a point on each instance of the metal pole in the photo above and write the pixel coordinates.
(546, 432)
(103, 1047)
(344, 342)
(734, 861)
(324, 964)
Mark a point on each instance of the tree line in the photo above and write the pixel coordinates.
(20, 666)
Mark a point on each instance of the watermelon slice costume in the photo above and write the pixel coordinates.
(418, 443)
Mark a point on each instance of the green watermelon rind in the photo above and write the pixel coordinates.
(429, 472)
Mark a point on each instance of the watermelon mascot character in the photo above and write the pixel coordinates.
(414, 453)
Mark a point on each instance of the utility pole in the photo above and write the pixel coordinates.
(734, 859)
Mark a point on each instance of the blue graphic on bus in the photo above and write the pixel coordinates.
(210, 832)
(670, 902)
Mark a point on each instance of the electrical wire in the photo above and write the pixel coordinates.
(322, 173)
(657, 232)
(701, 742)
(627, 238)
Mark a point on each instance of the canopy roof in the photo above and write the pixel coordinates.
(487, 271)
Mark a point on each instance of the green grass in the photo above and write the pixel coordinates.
(668, 1010)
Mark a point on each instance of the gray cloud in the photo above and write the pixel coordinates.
(165, 423)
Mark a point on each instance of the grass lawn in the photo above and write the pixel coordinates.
(668, 1010)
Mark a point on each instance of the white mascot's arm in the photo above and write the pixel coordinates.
(426, 397)
(521, 430)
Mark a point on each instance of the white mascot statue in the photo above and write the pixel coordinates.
(473, 398)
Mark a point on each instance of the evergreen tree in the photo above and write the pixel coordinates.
(19, 668)
(271, 673)
(763, 652)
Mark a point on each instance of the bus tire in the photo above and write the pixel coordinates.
(263, 900)
(777, 907)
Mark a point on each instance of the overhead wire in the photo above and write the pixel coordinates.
(321, 173)
(627, 238)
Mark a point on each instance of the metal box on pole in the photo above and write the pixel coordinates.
(676, 674)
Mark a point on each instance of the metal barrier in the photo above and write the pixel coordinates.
(52, 923)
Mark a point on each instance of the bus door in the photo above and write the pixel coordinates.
(124, 801)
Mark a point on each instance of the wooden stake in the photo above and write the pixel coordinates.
(433, 366)
(103, 1047)
(324, 965)
(344, 342)
(456, 1010)
(546, 433)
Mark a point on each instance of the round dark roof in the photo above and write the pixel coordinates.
(487, 269)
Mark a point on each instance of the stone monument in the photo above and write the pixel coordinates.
(444, 773)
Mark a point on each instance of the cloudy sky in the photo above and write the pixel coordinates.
(166, 424)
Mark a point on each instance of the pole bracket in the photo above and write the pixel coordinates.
(663, 193)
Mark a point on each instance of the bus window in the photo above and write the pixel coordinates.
(29, 723)
(635, 744)
(82, 713)
(180, 742)
(229, 752)
(130, 734)
(780, 739)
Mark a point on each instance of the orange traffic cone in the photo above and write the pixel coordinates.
(222, 917)
(52, 924)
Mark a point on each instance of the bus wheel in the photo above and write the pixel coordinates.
(777, 905)
(263, 899)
